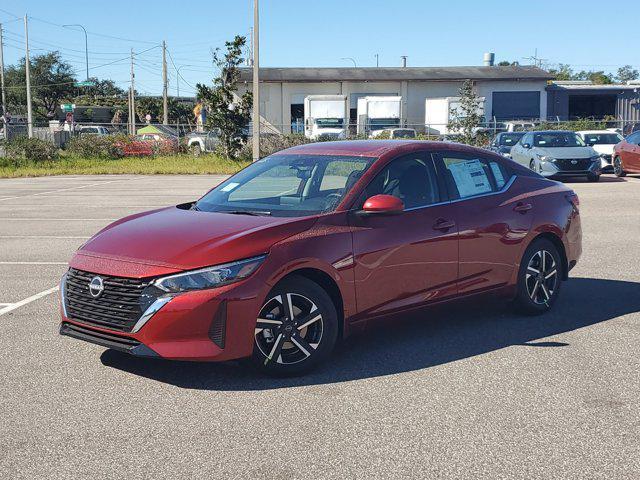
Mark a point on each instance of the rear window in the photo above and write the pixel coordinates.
(470, 177)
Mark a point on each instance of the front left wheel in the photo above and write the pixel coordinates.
(296, 329)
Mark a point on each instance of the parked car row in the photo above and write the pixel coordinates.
(560, 153)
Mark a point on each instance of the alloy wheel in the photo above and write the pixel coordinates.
(617, 166)
(541, 277)
(289, 329)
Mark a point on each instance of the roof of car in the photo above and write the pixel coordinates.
(551, 131)
(595, 131)
(370, 148)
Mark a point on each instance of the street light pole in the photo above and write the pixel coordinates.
(27, 72)
(256, 83)
(86, 44)
(351, 60)
(178, 78)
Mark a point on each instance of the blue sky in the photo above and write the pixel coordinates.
(322, 32)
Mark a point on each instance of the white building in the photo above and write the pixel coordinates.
(513, 92)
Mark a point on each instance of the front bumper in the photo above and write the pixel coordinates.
(206, 325)
(552, 169)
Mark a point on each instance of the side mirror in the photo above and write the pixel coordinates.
(526, 145)
(383, 205)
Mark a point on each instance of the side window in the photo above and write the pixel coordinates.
(634, 138)
(411, 178)
(467, 176)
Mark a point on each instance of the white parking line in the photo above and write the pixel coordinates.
(58, 237)
(33, 263)
(27, 300)
(20, 219)
(66, 189)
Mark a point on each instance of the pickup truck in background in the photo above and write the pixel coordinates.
(203, 142)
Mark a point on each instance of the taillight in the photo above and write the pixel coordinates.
(573, 200)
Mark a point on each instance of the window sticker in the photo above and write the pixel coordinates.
(470, 178)
(497, 173)
(229, 187)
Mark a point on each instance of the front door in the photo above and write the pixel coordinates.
(408, 259)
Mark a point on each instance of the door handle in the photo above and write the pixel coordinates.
(522, 207)
(442, 224)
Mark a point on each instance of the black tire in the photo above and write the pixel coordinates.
(285, 346)
(532, 165)
(617, 168)
(196, 150)
(532, 300)
(593, 178)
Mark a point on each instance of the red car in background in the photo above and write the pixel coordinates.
(626, 155)
(306, 246)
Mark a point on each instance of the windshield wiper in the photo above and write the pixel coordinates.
(254, 213)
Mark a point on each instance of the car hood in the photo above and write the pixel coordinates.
(567, 152)
(606, 149)
(175, 239)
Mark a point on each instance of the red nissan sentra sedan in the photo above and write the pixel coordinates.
(305, 246)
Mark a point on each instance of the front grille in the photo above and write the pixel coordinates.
(124, 344)
(117, 308)
(567, 164)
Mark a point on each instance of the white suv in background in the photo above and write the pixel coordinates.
(602, 142)
(557, 153)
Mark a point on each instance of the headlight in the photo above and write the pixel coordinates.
(209, 277)
(546, 158)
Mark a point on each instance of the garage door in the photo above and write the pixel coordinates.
(516, 105)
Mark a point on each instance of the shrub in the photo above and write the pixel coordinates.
(30, 149)
(95, 146)
(270, 144)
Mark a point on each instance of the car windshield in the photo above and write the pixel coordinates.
(329, 122)
(509, 139)
(557, 139)
(287, 186)
(602, 138)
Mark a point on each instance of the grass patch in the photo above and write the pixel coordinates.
(171, 164)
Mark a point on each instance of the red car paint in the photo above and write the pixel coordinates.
(379, 264)
(628, 151)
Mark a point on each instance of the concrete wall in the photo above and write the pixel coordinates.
(276, 97)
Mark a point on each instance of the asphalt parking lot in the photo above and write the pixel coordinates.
(463, 391)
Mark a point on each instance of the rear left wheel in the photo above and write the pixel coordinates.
(539, 278)
(296, 328)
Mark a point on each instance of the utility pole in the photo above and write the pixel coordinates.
(256, 83)
(4, 99)
(165, 93)
(132, 101)
(27, 68)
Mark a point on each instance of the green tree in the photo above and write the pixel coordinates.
(103, 88)
(627, 73)
(563, 72)
(51, 82)
(151, 106)
(507, 63)
(225, 110)
(466, 118)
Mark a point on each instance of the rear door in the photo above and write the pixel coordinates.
(492, 224)
(408, 259)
